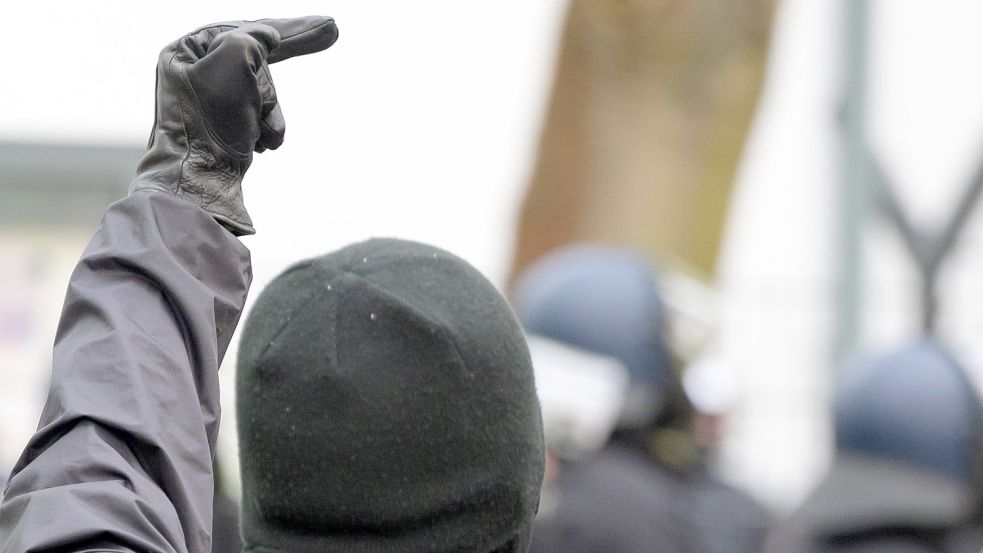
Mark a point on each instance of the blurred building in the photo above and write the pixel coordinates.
(53, 197)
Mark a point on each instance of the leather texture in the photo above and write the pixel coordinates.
(216, 105)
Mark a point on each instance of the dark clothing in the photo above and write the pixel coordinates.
(885, 540)
(871, 505)
(226, 536)
(616, 501)
(728, 519)
(621, 501)
(122, 459)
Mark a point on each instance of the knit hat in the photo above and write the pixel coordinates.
(386, 404)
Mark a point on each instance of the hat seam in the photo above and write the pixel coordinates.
(441, 326)
(276, 335)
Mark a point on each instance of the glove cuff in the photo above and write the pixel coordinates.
(199, 177)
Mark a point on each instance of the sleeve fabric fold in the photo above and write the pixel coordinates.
(122, 458)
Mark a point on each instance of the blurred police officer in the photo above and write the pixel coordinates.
(906, 473)
(646, 490)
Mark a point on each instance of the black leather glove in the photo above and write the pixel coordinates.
(216, 105)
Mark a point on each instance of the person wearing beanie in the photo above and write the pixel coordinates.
(386, 403)
(386, 396)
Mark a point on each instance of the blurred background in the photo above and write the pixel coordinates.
(802, 172)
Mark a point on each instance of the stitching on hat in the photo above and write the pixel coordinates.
(440, 326)
(290, 316)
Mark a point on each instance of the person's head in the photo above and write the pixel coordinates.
(915, 406)
(606, 300)
(908, 429)
(603, 300)
(386, 403)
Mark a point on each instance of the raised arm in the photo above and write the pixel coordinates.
(122, 459)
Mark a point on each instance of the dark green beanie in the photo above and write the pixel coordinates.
(386, 404)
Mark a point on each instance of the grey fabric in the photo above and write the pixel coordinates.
(226, 535)
(122, 459)
(793, 542)
(870, 505)
(862, 492)
(728, 519)
(967, 539)
(620, 501)
(615, 502)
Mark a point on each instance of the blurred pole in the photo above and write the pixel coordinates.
(946, 241)
(929, 250)
(920, 245)
(853, 198)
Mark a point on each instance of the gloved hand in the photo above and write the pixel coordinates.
(216, 105)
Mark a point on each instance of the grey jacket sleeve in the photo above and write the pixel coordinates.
(122, 458)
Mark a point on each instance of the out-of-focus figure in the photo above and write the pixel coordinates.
(906, 474)
(729, 518)
(226, 537)
(644, 490)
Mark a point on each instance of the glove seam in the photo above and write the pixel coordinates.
(187, 150)
(215, 26)
(311, 30)
(283, 327)
(208, 128)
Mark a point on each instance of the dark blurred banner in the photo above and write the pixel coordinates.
(650, 108)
